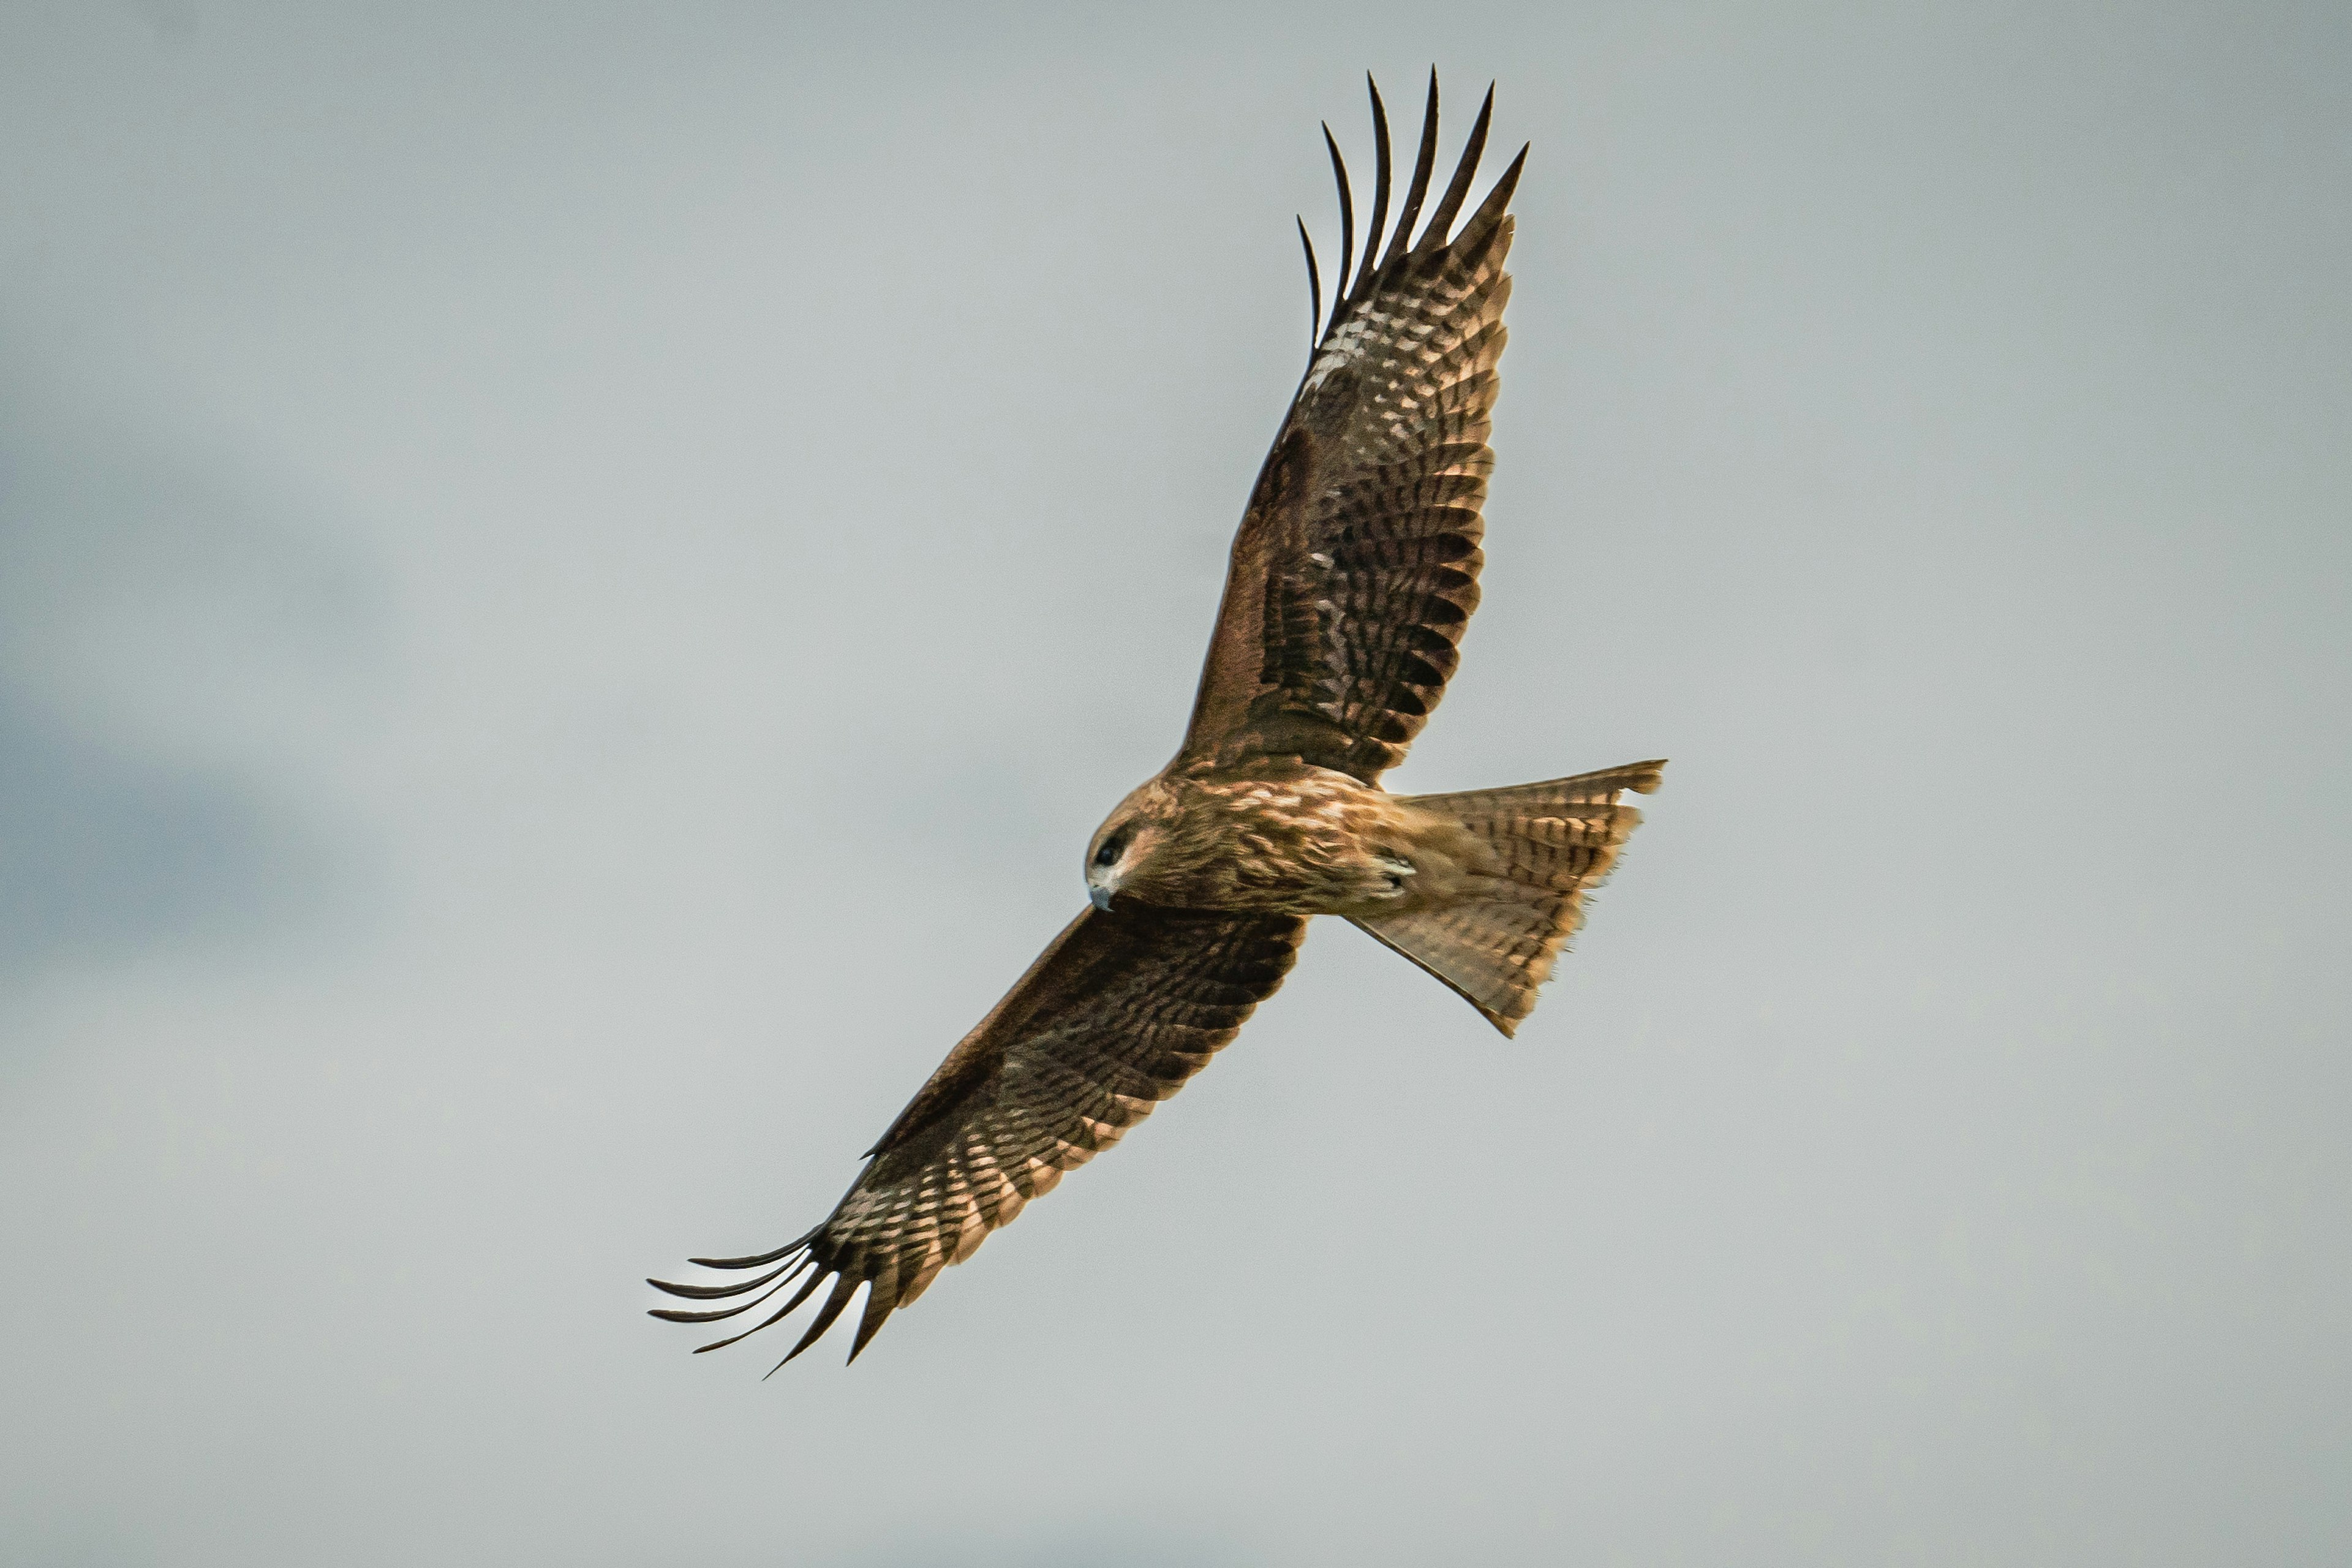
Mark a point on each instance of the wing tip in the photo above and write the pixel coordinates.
(882, 1299)
(792, 1269)
(1353, 283)
(845, 1286)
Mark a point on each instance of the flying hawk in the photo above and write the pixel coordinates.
(1353, 575)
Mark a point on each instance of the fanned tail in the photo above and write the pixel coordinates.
(1553, 841)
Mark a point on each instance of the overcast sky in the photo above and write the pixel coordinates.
(572, 582)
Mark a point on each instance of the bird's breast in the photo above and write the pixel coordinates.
(1311, 844)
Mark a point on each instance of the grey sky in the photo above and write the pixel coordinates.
(550, 558)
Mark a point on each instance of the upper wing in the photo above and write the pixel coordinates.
(1357, 564)
(1114, 1015)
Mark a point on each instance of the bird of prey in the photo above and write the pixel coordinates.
(1353, 574)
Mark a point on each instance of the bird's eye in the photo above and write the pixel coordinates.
(1108, 854)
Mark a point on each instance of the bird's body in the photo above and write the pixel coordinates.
(1288, 838)
(1354, 572)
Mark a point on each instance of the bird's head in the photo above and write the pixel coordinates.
(1127, 848)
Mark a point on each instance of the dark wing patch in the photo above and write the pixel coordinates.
(1112, 1018)
(1356, 568)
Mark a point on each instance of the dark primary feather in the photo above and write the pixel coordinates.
(1380, 186)
(1112, 1018)
(1346, 217)
(1423, 165)
(1314, 289)
(1466, 170)
(1356, 567)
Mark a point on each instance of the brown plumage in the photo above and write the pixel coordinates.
(1354, 572)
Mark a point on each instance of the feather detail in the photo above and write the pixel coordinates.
(1354, 570)
(1116, 1012)
(1422, 163)
(1380, 188)
(1314, 291)
(1346, 217)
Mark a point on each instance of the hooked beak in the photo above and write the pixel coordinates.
(1099, 895)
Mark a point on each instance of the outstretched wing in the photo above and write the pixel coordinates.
(1356, 568)
(1115, 1013)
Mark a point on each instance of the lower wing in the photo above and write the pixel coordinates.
(1115, 1013)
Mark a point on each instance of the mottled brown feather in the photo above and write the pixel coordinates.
(1356, 566)
(1115, 1013)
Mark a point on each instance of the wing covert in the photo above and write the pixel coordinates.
(1356, 567)
(1113, 1017)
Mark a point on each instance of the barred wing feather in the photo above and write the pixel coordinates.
(1115, 1013)
(1356, 566)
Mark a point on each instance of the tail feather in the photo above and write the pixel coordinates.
(1552, 841)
